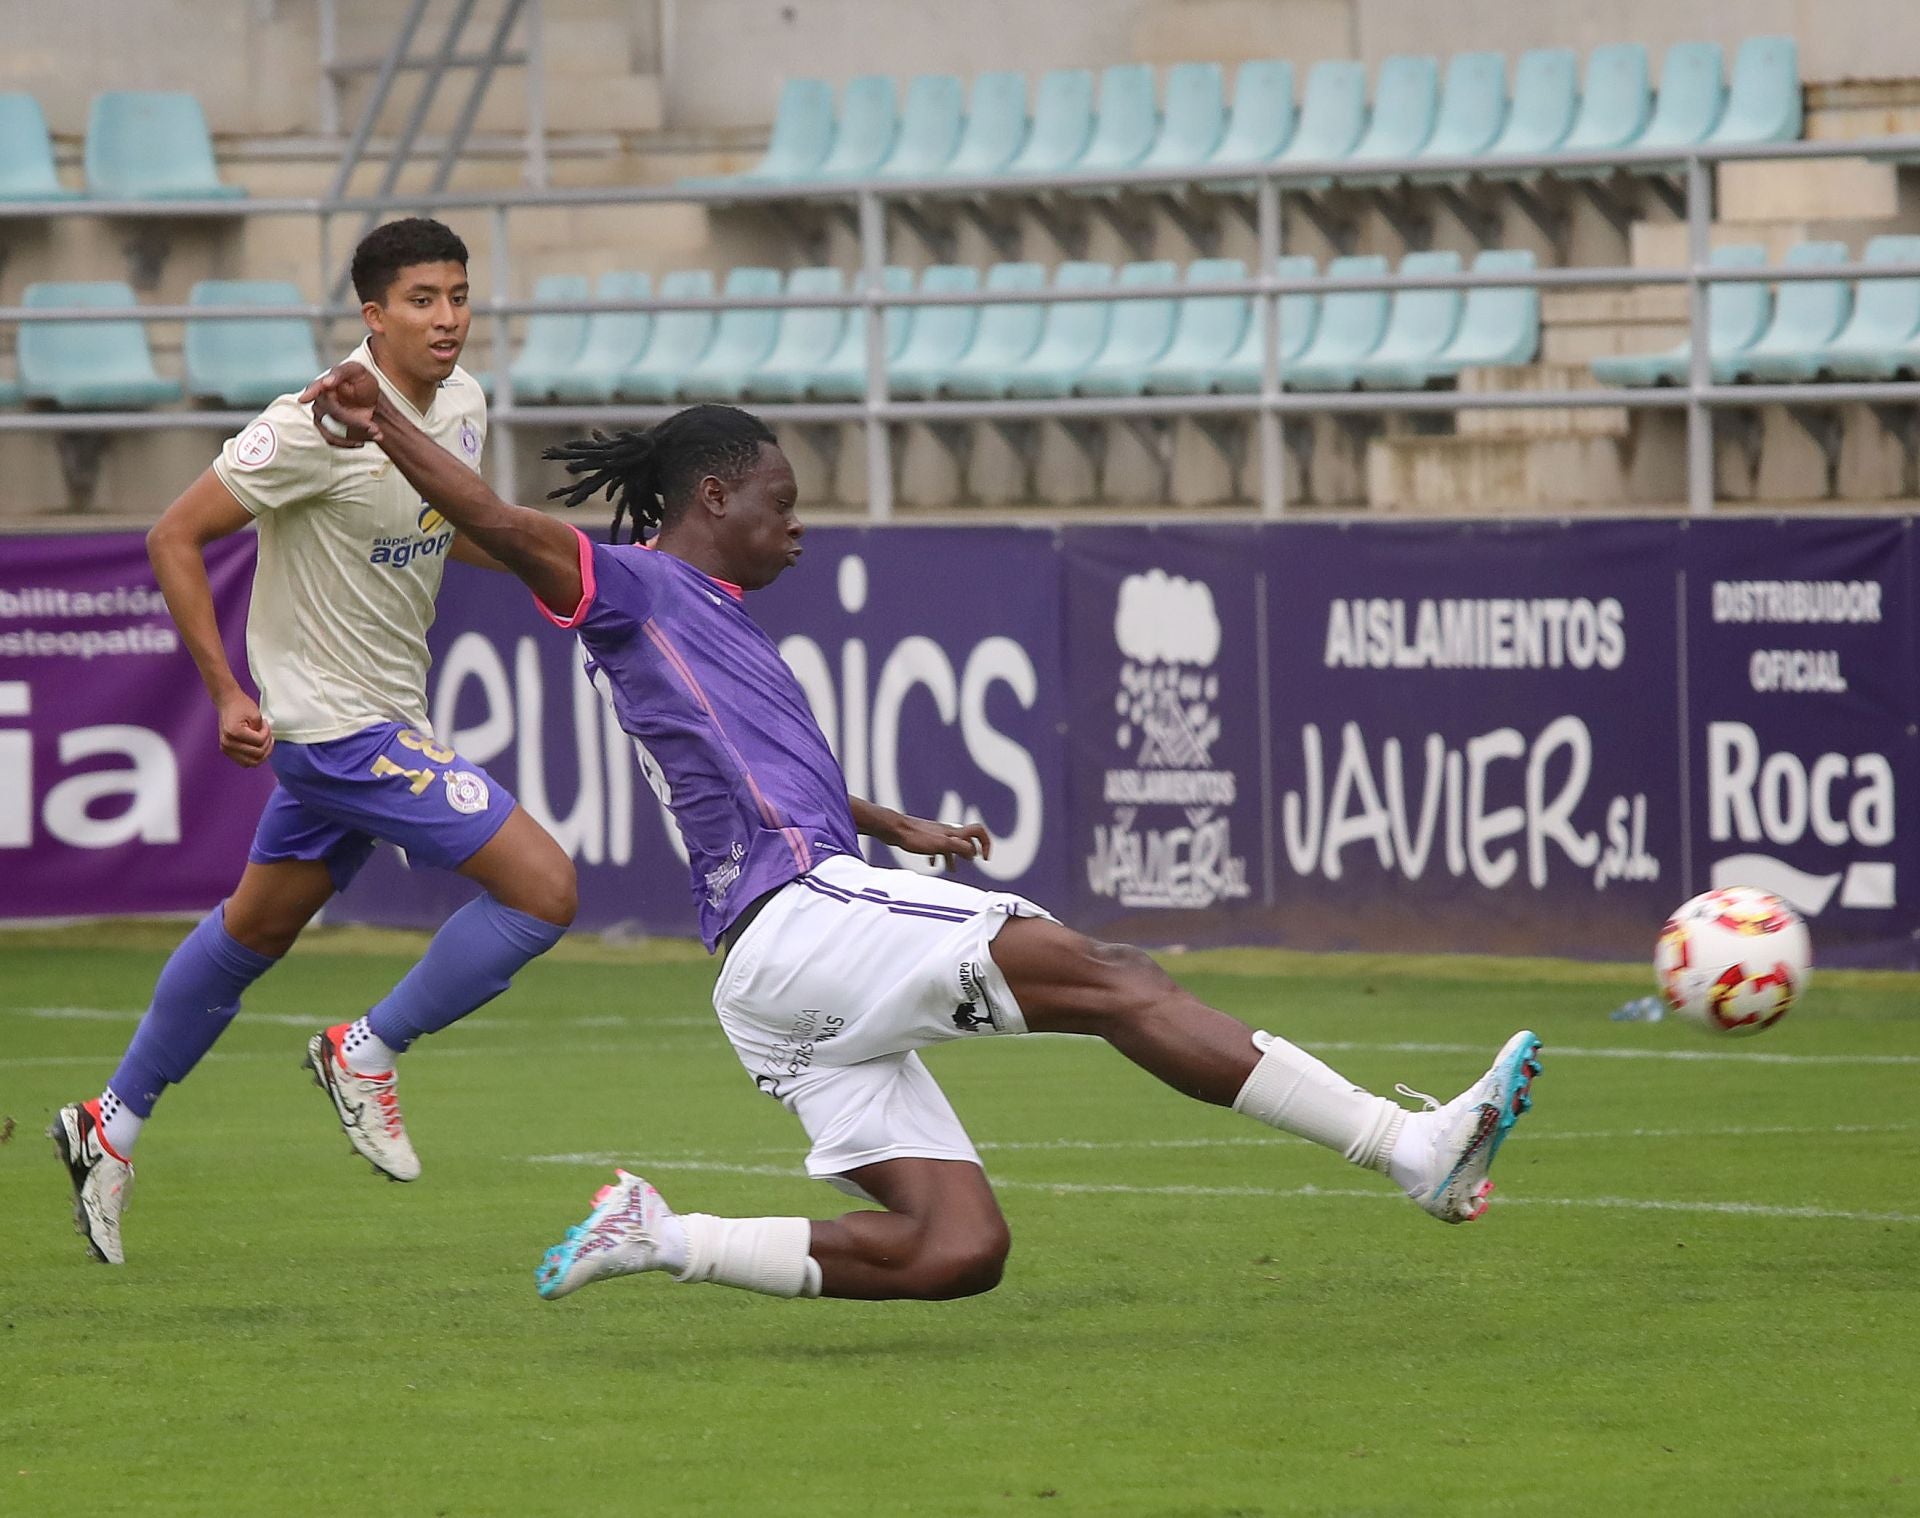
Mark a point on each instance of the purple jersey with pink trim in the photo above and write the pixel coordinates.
(724, 731)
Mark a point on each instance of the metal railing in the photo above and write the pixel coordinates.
(877, 413)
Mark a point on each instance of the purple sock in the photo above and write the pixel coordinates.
(196, 996)
(471, 959)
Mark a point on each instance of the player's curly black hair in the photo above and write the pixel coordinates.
(397, 245)
(650, 474)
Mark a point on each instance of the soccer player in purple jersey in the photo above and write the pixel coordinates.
(343, 593)
(837, 972)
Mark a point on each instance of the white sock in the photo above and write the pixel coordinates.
(365, 1054)
(1296, 1093)
(670, 1244)
(1412, 1152)
(120, 1125)
(768, 1255)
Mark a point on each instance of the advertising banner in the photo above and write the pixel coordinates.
(114, 796)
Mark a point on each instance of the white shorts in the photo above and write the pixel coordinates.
(847, 971)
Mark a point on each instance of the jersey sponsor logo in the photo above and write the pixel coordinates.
(430, 521)
(466, 791)
(400, 550)
(255, 448)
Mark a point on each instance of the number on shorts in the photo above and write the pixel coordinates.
(421, 778)
(421, 744)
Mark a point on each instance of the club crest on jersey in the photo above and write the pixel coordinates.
(466, 791)
(470, 440)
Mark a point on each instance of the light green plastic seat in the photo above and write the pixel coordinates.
(741, 340)
(1880, 339)
(553, 338)
(1764, 98)
(996, 125)
(863, 136)
(1736, 316)
(1352, 322)
(930, 125)
(842, 374)
(807, 337)
(1333, 114)
(613, 344)
(802, 134)
(1614, 107)
(1807, 316)
(1004, 338)
(26, 152)
(1207, 331)
(1421, 324)
(1261, 124)
(1073, 337)
(938, 334)
(679, 340)
(1062, 124)
(9, 392)
(93, 365)
(1406, 102)
(1137, 335)
(1693, 95)
(1128, 122)
(1194, 120)
(1497, 326)
(247, 363)
(1546, 98)
(151, 145)
(1473, 110)
(1299, 314)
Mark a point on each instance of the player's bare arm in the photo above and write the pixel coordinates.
(920, 835)
(176, 546)
(542, 551)
(466, 551)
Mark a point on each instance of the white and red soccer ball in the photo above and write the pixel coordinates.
(1733, 961)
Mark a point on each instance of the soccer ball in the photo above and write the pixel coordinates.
(1733, 961)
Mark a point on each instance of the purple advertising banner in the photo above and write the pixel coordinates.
(114, 796)
(1800, 698)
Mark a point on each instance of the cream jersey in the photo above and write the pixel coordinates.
(349, 564)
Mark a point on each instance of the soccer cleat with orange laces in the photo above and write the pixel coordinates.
(367, 1105)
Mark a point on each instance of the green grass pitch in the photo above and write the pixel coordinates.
(1698, 1289)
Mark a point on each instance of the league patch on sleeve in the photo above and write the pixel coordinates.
(255, 448)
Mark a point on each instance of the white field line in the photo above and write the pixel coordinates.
(1272, 1193)
(316, 1020)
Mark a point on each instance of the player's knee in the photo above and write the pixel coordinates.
(548, 889)
(964, 1267)
(265, 930)
(1131, 983)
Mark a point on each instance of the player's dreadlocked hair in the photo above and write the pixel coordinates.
(650, 474)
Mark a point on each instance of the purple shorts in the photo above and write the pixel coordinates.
(388, 783)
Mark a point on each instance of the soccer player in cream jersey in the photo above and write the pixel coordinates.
(837, 972)
(350, 560)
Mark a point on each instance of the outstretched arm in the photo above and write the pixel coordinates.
(351, 409)
(916, 835)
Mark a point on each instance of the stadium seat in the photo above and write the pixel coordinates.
(930, 125)
(151, 145)
(1261, 123)
(742, 338)
(1614, 107)
(1421, 325)
(553, 340)
(864, 134)
(1195, 117)
(1074, 335)
(1807, 316)
(1879, 340)
(1351, 325)
(1333, 113)
(1736, 316)
(996, 125)
(1241, 373)
(92, 365)
(1406, 99)
(247, 363)
(1473, 110)
(679, 339)
(1693, 93)
(26, 153)
(1128, 122)
(614, 342)
(808, 335)
(1499, 325)
(842, 374)
(1546, 98)
(802, 134)
(1206, 332)
(1764, 101)
(1062, 124)
(1137, 335)
(1004, 338)
(938, 335)
(9, 392)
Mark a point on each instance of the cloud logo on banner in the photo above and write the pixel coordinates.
(1166, 619)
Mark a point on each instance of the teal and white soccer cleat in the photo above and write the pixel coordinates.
(619, 1238)
(102, 1181)
(1464, 1135)
(367, 1105)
